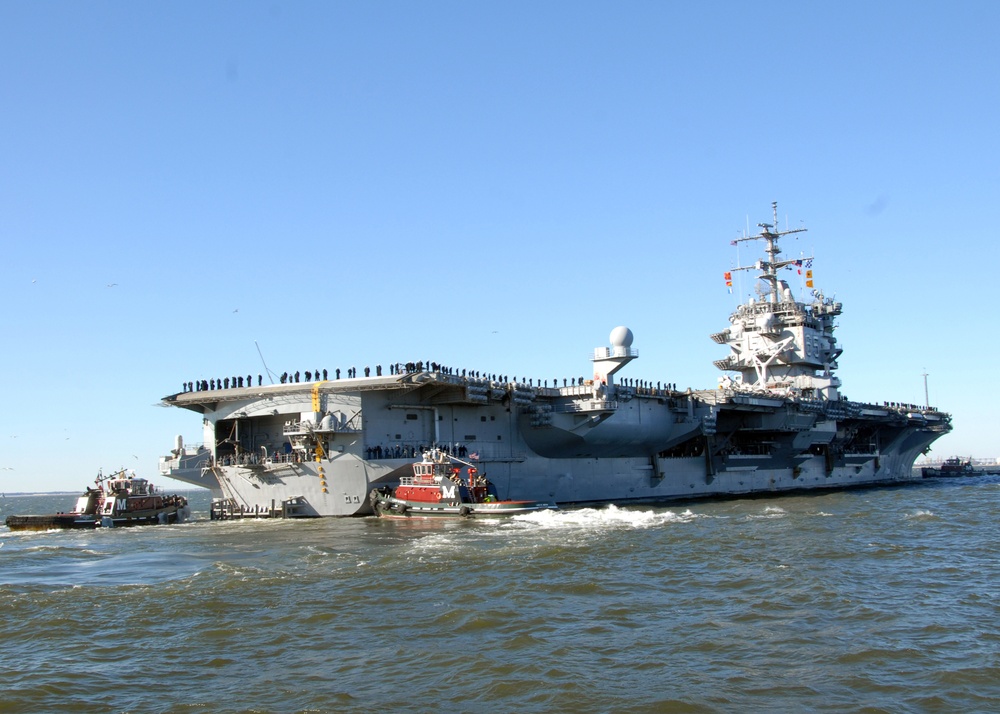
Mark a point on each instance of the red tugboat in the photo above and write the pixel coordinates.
(120, 499)
(437, 490)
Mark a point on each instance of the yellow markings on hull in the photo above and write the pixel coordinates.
(316, 410)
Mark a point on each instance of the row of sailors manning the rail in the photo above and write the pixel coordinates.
(238, 382)
(909, 407)
(410, 367)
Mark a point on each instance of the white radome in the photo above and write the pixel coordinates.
(621, 337)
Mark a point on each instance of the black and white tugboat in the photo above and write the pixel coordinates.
(119, 499)
(437, 489)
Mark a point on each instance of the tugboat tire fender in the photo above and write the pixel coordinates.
(464, 511)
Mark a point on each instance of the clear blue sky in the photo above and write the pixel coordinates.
(492, 186)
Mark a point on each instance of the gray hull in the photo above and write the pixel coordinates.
(191, 467)
(557, 445)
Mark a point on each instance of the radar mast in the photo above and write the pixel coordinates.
(769, 268)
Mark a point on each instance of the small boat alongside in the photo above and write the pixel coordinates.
(119, 499)
(438, 489)
(951, 468)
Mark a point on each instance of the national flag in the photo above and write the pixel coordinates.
(474, 455)
(732, 242)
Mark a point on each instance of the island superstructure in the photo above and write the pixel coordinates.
(775, 422)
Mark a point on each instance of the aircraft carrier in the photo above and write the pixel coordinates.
(775, 422)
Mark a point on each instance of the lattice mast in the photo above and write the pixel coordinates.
(769, 268)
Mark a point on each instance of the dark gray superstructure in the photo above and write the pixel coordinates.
(318, 448)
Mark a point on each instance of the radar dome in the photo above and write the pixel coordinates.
(621, 337)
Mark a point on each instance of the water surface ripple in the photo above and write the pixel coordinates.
(872, 600)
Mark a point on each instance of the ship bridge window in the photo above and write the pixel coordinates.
(482, 418)
(470, 437)
(412, 417)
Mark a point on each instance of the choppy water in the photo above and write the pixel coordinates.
(875, 600)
